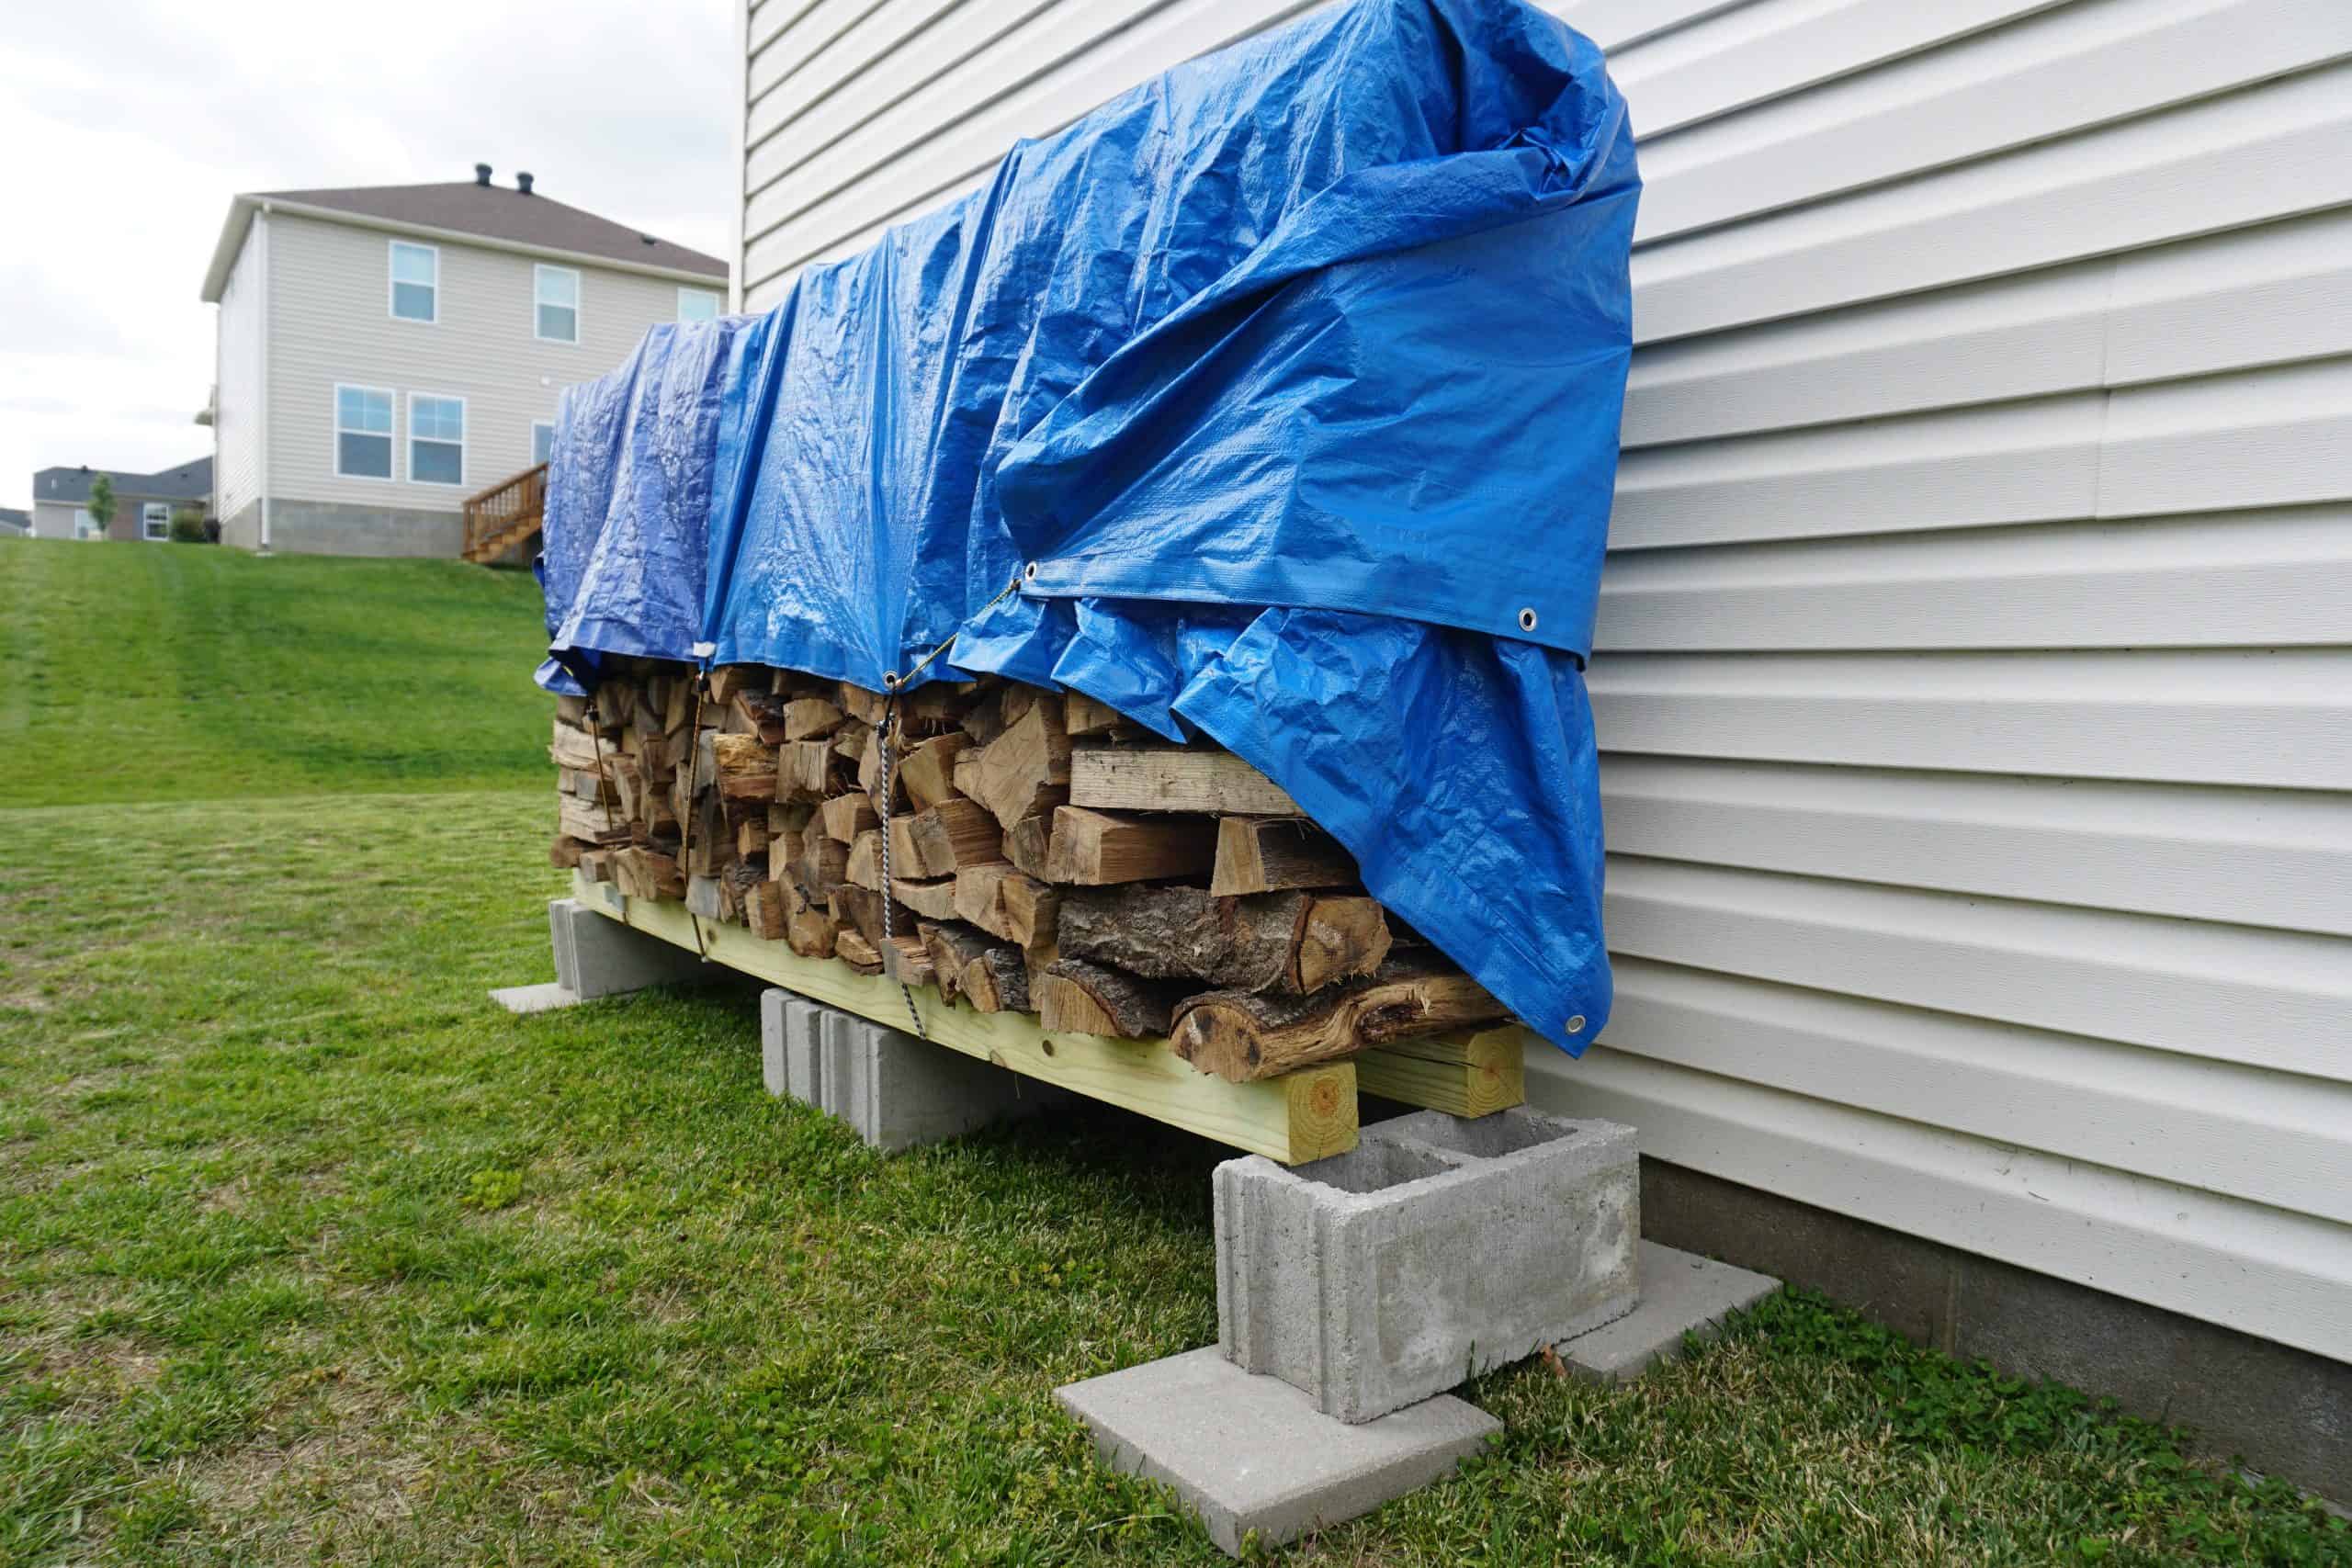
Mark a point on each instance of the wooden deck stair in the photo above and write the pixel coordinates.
(506, 516)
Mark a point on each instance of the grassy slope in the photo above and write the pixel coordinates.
(306, 1254)
(180, 672)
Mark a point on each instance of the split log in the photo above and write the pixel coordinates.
(598, 824)
(1242, 1035)
(702, 897)
(929, 768)
(811, 718)
(865, 866)
(1266, 854)
(1094, 848)
(849, 743)
(1172, 778)
(860, 704)
(933, 901)
(564, 853)
(824, 865)
(747, 767)
(853, 950)
(806, 771)
(1343, 937)
(1032, 912)
(763, 715)
(977, 900)
(728, 678)
(1087, 999)
(764, 910)
(951, 944)
(575, 747)
(1084, 716)
(905, 960)
(751, 837)
(809, 930)
(1029, 844)
(862, 907)
(847, 816)
(1176, 932)
(643, 873)
(943, 839)
(1026, 769)
(997, 981)
(597, 865)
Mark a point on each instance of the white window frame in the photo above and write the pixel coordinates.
(717, 303)
(84, 525)
(334, 433)
(579, 301)
(392, 282)
(465, 433)
(537, 425)
(148, 518)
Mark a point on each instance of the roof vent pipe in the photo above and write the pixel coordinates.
(482, 174)
(522, 182)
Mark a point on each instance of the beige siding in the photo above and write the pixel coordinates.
(330, 322)
(1975, 678)
(236, 420)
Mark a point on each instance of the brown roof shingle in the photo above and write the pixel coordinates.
(502, 213)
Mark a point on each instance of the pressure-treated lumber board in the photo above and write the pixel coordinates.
(1302, 1117)
(1172, 778)
(1464, 1075)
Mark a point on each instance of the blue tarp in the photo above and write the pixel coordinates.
(1285, 388)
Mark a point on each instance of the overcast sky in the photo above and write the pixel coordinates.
(128, 124)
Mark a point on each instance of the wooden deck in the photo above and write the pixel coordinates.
(1298, 1117)
(507, 517)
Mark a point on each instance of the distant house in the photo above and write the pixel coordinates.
(144, 503)
(385, 352)
(15, 522)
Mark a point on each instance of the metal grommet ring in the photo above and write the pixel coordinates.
(1030, 571)
(890, 680)
(1527, 620)
(1575, 1025)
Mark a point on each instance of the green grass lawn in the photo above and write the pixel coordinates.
(183, 672)
(306, 1254)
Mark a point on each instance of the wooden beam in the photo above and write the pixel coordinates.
(1266, 854)
(1463, 1074)
(1172, 778)
(1305, 1116)
(1094, 849)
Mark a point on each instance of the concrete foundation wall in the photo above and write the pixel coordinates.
(2285, 1412)
(335, 528)
(244, 529)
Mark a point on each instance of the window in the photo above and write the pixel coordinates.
(155, 520)
(85, 526)
(363, 433)
(697, 304)
(416, 282)
(556, 292)
(436, 440)
(542, 440)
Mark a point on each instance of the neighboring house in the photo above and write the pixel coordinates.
(144, 503)
(15, 522)
(387, 351)
(1973, 676)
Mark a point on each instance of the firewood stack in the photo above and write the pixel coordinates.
(1045, 855)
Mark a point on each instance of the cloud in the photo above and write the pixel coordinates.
(132, 123)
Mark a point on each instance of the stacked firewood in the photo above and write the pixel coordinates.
(1037, 852)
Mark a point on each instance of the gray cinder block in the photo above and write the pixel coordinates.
(788, 1044)
(896, 1090)
(1251, 1455)
(1437, 1248)
(599, 957)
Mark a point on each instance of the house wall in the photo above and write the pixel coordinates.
(237, 363)
(54, 519)
(330, 322)
(1972, 671)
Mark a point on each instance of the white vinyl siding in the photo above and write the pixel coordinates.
(436, 439)
(363, 433)
(328, 325)
(1975, 671)
(555, 293)
(236, 418)
(415, 281)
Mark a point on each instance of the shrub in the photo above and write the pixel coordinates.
(187, 526)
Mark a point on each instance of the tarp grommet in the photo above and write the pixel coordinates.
(1030, 571)
(1576, 1023)
(1527, 620)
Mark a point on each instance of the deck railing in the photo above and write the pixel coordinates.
(506, 514)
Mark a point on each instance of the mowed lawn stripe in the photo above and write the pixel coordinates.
(139, 672)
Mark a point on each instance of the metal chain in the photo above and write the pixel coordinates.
(890, 789)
